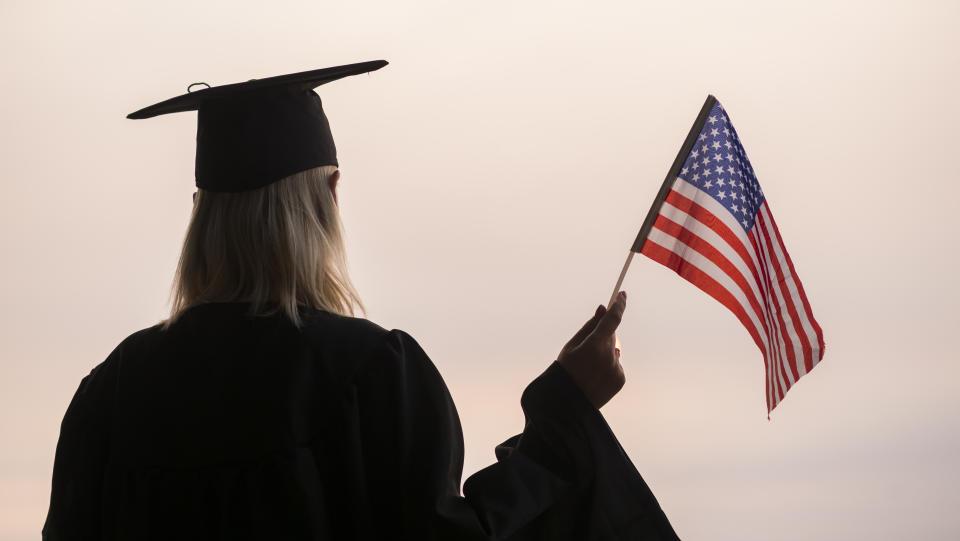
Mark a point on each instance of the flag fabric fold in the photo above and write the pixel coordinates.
(712, 225)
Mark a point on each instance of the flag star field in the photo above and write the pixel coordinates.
(719, 166)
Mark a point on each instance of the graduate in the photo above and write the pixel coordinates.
(262, 409)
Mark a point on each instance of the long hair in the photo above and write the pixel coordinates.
(276, 247)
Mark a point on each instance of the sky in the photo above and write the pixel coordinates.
(494, 177)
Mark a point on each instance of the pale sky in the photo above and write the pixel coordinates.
(494, 176)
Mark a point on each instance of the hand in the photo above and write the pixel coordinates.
(591, 357)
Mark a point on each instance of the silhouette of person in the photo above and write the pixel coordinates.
(263, 409)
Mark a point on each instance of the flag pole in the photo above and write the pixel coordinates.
(623, 273)
(672, 175)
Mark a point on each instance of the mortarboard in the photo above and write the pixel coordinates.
(255, 133)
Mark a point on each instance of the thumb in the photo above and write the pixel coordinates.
(611, 319)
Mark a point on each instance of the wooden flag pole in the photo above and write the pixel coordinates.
(672, 175)
(623, 273)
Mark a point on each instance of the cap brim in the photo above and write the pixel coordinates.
(305, 79)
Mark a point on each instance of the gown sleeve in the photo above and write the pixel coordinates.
(565, 477)
(81, 455)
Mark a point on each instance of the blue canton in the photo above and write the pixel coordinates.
(719, 166)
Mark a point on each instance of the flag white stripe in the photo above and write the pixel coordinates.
(782, 310)
(690, 223)
(709, 268)
(782, 300)
(694, 194)
(723, 215)
(797, 298)
(782, 365)
(711, 237)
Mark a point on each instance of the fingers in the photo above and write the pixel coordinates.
(611, 319)
(587, 328)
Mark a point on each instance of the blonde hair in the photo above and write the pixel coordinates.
(276, 247)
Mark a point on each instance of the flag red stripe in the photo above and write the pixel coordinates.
(707, 218)
(703, 281)
(787, 296)
(783, 382)
(707, 250)
(779, 384)
(749, 272)
(796, 280)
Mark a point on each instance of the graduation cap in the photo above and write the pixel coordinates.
(255, 133)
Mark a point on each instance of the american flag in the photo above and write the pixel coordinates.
(714, 228)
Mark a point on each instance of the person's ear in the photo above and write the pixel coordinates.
(332, 182)
(194, 197)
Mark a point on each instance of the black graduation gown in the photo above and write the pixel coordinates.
(227, 426)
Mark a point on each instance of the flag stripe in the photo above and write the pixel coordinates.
(781, 365)
(703, 281)
(815, 334)
(789, 359)
(712, 215)
(726, 243)
(782, 332)
(818, 332)
(692, 258)
(723, 257)
(774, 352)
(717, 218)
(710, 244)
(711, 252)
(785, 297)
(708, 276)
